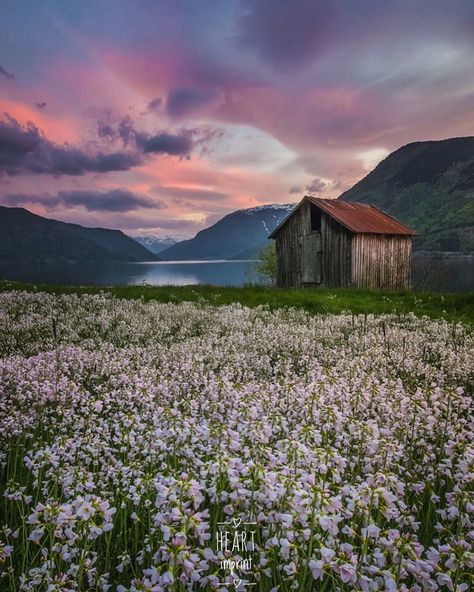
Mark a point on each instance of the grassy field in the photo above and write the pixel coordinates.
(452, 307)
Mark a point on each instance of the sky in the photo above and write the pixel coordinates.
(161, 116)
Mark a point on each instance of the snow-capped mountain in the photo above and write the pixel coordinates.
(156, 244)
(239, 235)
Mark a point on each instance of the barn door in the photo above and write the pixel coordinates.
(312, 258)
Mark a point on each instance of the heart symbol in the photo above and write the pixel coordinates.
(236, 522)
(237, 582)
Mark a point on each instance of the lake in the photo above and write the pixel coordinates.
(453, 274)
(156, 273)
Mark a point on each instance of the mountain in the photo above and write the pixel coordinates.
(430, 187)
(24, 236)
(239, 235)
(155, 244)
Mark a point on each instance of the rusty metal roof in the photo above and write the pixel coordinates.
(356, 217)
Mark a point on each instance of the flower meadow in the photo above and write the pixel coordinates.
(133, 435)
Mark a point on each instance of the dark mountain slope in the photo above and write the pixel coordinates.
(238, 235)
(24, 236)
(430, 187)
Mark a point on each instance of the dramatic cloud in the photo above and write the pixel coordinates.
(109, 128)
(155, 105)
(183, 102)
(316, 186)
(286, 33)
(6, 74)
(294, 190)
(55, 160)
(116, 200)
(106, 130)
(15, 200)
(126, 130)
(179, 144)
(25, 149)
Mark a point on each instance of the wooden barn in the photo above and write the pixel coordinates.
(333, 243)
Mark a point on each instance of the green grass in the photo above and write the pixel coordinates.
(452, 307)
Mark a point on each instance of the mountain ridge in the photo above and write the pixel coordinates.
(25, 236)
(428, 185)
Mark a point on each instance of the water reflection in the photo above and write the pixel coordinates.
(443, 274)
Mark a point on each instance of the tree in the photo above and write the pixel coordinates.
(265, 269)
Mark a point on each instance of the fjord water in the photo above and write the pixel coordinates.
(430, 273)
(156, 273)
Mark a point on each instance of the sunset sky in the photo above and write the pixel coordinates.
(159, 117)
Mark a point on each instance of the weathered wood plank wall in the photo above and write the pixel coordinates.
(312, 259)
(336, 245)
(288, 247)
(381, 261)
